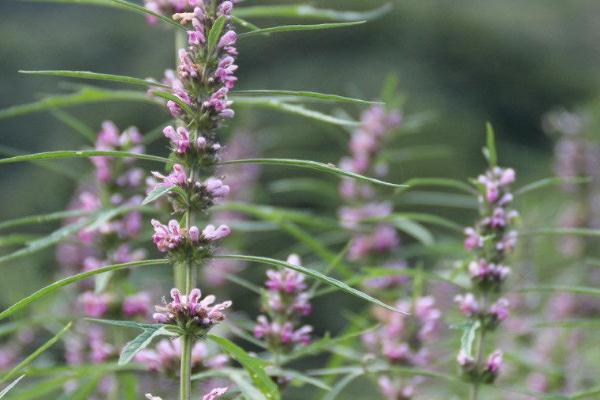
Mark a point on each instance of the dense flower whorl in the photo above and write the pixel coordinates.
(285, 302)
(181, 243)
(190, 312)
(212, 395)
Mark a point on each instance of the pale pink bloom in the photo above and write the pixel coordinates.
(468, 304)
(494, 362)
(137, 304)
(95, 304)
(191, 308)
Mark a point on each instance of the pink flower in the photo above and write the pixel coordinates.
(167, 237)
(499, 310)
(137, 304)
(216, 188)
(215, 394)
(494, 362)
(467, 304)
(472, 240)
(465, 361)
(180, 138)
(177, 177)
(191, 308)
(210, 233)
(228, 39)
(95, 305)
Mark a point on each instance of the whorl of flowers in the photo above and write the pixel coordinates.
(190, 313)
(365, 144)
(402, 340)
(166, 357)
(285, 302)
(490, 241)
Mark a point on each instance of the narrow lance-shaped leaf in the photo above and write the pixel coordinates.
(490, 149)
(554, 181)
(96, 76)
(292, 28)
(291, 109)
(590, 291)
(40, 350)
(170, 96)
(254, 366)
(312, 273)
(215, 34)
(468, 337)
(120, 4)
(73, 279)
(86, 95)
(314, 165)
(140, 342)
(10, 386)
(52, 155)
(306, 94)
(307, 11)
(441, 182)
(342, 384)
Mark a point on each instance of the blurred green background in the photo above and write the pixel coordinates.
(460, 63)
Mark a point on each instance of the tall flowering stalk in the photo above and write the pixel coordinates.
(489, 241)
(198, 100)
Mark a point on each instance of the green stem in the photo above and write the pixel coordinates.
(185, 382)
(474, 393)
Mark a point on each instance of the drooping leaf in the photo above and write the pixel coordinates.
(10, 386)
(121, 4)
(72, 279)
(307, 11)
(53, 155)
(215, 34)
(292, 28)
(86, 95)
(96, 76)
(468, 337)
(414, 229)
(314, 165)
(254, 366)
(39, 351)
(305, 94)
(313, 274)
(291, 109)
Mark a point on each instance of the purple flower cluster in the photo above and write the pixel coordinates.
(402, 340)
(191, 312)
(285, 302)
(204, 75)
(212, 395)
(490, 241)
(363, 213)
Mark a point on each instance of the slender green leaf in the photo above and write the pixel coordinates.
(468, 337)
(312, 273)
(10, 386)
(297, 379)
(291, 109)
(290, 28)
(121, 4)
(51, 155)
(425, 218)
(86, 95)
(306, 94)
(314, 165)
(591, 291)
(441, 182)
(254, 366)
(42, 389)
(96, 76)
(414, 229)
(306, 11)
(40, 350)
(490, 149)
(140, 343)
(377, 272)
(157, 193)
(72, 279)
(75, 124)
(84, 390)
(437, 199)
(570, 323)
(170, 96)
(543, 183)
(562, 232)
(341, 385)
(586, 394)
(243, 23)
(215, 34)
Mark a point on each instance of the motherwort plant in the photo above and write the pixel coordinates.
(489, 241)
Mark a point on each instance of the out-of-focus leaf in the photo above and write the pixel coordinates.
(378, 272)
(96, 76)
(254, 366)
(554, 181)
(293, 28)
(159, 192)
(86, 95)
(52, 155)
(341, 385)
(437, 199)
(490, 148)
(314, 165)
(590, 291)
(41, 389)
(43, 218)
(307, 11)
(76, 124)
(414, 229)
(121, 4)
(72, 279)
(85, 389)
(561, 232)
(305, 94)
(298, 379)
(278, 105)
(312, 273)
(570, 323)
(425, 218)
(468, 337)
(10, 386)
(586, 394)
(273, 213)
(441, 182)
(39, 351)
